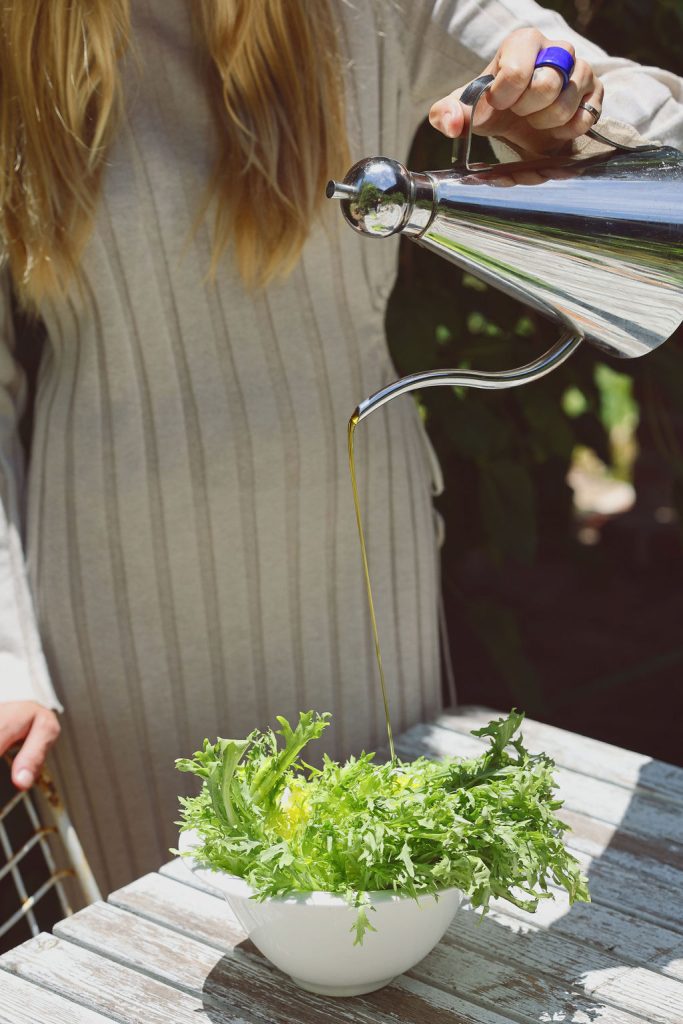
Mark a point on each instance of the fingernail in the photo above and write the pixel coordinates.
(24, 778)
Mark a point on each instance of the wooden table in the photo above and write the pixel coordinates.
(164, 950)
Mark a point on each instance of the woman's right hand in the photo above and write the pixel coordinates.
(38, 727)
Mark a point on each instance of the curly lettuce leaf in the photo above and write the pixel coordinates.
(485, 825)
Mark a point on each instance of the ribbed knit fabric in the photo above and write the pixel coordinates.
(190, 539)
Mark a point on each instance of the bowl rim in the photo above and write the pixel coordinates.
(234, 885)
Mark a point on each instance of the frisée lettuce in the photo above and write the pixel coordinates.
(485, 825)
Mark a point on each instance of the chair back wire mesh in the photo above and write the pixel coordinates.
(26, 878)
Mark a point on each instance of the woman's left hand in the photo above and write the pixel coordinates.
(526, 105)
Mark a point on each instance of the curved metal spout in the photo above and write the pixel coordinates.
(494, 380)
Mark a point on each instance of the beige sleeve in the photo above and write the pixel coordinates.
(615, 131)
(23, 671)
(450, 42)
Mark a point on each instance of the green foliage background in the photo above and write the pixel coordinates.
(505, 455)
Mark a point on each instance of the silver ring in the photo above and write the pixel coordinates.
(597, 114)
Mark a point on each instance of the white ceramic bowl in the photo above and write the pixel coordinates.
(309, 936)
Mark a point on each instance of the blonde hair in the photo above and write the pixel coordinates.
(274, 78)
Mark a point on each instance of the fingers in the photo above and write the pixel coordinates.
(583, 120)
(559, 112)
(543, 90)
(42, 734)
(526, 103)
(514, 68)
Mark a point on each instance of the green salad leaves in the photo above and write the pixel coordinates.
(485, 825)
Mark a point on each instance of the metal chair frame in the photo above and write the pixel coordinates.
(61, 826)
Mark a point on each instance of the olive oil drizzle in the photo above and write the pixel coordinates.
(353, 422)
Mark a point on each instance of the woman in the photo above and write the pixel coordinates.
(191, 564)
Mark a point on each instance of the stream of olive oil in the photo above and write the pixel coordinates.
(353, 422)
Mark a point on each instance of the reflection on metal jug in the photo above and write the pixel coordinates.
(596, 244)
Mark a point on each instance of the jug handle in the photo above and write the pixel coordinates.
(471, 96)
(460, 156)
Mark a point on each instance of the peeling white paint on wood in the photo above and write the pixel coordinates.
(177, 870)
(572, 967)
(181, 908)
(101, 984)
(24, 1003)
(630, 939)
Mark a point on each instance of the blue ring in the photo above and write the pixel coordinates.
(558, 58)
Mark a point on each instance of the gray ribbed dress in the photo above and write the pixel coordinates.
(191, 559)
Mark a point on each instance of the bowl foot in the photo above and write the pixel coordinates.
(341, 991)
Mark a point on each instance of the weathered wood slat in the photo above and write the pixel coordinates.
(431, 1005)
(643, 889)
(244, 981)
(526, 994)
(657, 820)
(581, 970)
(624, 875)
(582, 754)
(187, 910)
(102, 985)
(241, 978)
(21, 1002)
(209, 918)
(493, 953)
(594, 837)
(179, 872)
(631, 940)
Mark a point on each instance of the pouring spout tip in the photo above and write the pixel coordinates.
(339, 190)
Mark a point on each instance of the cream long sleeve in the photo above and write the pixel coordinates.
(23, 670)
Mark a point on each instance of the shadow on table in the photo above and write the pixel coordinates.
(561, 964)
(636, 918)
(280, 1001)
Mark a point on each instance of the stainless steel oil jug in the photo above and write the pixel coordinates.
(596, 245)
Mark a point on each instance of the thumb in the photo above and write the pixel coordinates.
(449, 116)
(30, 759)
